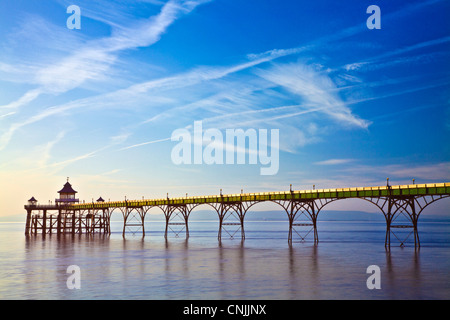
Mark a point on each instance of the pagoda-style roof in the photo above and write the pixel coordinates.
(32, 199)
(100, 200)
(67, 188)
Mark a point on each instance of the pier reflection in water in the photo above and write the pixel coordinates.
(261, 267)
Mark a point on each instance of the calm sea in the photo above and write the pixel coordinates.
(264, 266)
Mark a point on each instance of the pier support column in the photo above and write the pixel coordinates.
(401, 214)
(221, 214)
(44, 222)
(231, 215)
(291, 216)
(388, 217)
(186, 214)
(168, 211)
(307, 210)
(107, 216)
(177, 215)
(58, 222)
(414, 219)
(105, 219)
(133, 217)
(73, 223)
(35, 224)
(28, 222)
(51, 224)
(240, 211)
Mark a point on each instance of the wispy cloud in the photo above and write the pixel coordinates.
(144, 144)
(438, 171)
(332, 162)
(314, 89)
(64, 163)
(91, 62)
(258, 103)
(378, 61)
(25, 99)
(7, 135)
(6, 115)
(95, 57)
(198, 75)
(46, 153)
(191, 78)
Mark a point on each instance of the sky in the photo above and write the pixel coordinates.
(353, 105)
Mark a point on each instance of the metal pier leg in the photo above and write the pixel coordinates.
(387, 239)
(290, 231)
(242, 228)
(414, 219)
(314, 221)
(219, 235)
(44, 223)
(167, 226)
(388, 216)
(58, 223)
(186, 218)
(28, 222)
(125, 217)
(291, 216)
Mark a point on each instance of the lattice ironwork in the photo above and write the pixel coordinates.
(401, 206)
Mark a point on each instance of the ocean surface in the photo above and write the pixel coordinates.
(264, 266)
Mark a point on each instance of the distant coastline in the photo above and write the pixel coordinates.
(204, 215)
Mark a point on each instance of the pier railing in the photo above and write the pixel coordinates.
(339, 193)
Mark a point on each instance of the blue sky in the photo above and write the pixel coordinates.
(352, 105)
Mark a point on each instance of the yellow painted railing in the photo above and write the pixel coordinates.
(382, 191)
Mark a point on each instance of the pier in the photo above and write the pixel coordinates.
(69, 216)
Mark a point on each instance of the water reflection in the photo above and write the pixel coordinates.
(202, 268)
(404, 274)
(300, 283)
